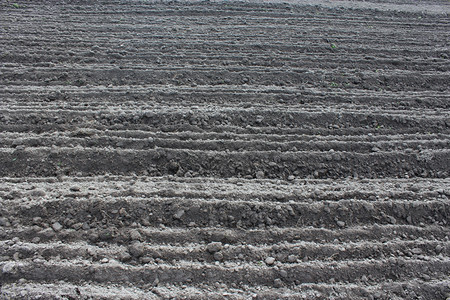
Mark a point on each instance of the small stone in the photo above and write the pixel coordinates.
(173, 167)
(377, 295)
(16, 256)
(426, 277)
(283, 273)
(278, 283)
(270, 260)
(38, 193)
(85, 226)
(291, 177)
(104, 260)
(77, 226)
(340, 223)
(136, 249)
(179, 214)
(135, 235)
(124, 257)
(47, 233)
(156, 281)
(416, 251)
(57, 226)
(4, 222)
(214, 247)
(439, 248)
(93, 237)
(8, 268)
(36, 239)
(375, 149)
(260, 175)
(106, 234)
(146, 259)
(392, 220)
(292, 258)
(75, 188)
(218, 256)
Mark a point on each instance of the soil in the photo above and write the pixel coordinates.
(223, 149)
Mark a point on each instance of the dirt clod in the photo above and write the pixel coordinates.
(136, 249)
(57, 226)
(270, 260)
(214, 247)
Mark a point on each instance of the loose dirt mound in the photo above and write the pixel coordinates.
(215, 150)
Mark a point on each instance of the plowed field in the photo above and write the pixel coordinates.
(220, 149)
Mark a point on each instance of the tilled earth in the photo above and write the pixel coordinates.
(213, 150)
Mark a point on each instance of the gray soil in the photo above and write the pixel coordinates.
(220, 149)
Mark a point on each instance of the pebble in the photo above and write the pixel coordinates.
(260, 175)
(136, 249)
(179, 214)
(283, 273)
(218, 256)
(146, 259)
(4, 222)
(377, 295)
(104, 260)
(125, 256)
(292, 258)
(106, 234)
(340, 223)
(270, 260)
(392, 220)
(214, 247)
(7, 268)
(278, 283)
(416, 251)
(75, 188)
(426, 277)
(291, 177)
(135, 235)
(439, 248)
(16, 256)
(47, 233)
(57, 226)
(38, 193)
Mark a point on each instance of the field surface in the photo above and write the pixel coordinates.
(220, 149)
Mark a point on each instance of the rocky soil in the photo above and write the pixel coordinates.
(219, 149)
